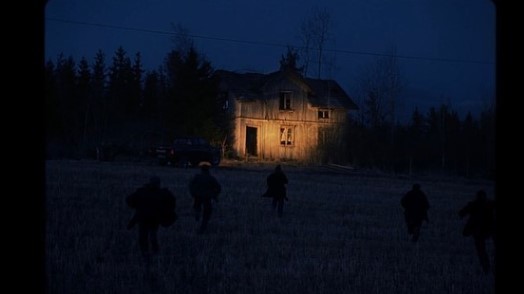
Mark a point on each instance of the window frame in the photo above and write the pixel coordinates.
(324, 114)
(288, 133)
(284, 102)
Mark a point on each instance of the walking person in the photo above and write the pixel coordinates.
(480, 225)
(154, 206)
(276, 189)
(204, 187)
(416, 206)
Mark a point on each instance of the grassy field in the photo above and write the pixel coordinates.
(340, 233)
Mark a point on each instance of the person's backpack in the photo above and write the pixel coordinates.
(168, 218)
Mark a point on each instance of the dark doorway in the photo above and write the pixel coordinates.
(251, 141)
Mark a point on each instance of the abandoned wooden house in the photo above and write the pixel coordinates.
(283, 115)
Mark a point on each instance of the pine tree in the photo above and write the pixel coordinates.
(67, 127)
(84, 102)
(136, 86)
(52, 104)
(119, 90)
(98, 97)
(192, 96)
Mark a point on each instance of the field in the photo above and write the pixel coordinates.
(340, 233)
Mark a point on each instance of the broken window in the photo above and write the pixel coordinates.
(322, 113)
(286, 136)
(285, 101)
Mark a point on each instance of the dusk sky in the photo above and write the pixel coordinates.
(446, 48)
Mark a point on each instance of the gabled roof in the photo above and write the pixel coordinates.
(244, 86)
(321, 93)
(328, 93)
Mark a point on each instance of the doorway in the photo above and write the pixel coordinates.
(251, 141)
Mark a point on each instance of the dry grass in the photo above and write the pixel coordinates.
(339, 234)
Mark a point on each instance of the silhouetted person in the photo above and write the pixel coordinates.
(276, 189)
(416, 206)
(480, 225)
(153, 206)
(203, 187)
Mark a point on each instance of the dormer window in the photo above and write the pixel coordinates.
(285, 100)
(323, 113)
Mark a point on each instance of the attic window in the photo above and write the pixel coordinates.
(323, 113)
(286, 136)
(285, 100)
(223, 97)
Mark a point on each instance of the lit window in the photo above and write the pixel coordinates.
(286, 136)
(323, 114)
(285, 101)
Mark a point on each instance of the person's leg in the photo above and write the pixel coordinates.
(409, 223)
(154, 238)
(206, 215)
(280, 205)
(480, 246)
(142, 238)
(197, 204)
(416, 232)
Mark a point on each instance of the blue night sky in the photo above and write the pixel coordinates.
(462, 32)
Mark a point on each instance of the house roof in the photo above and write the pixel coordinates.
(244, 86)
(328, 93)
(321, 93)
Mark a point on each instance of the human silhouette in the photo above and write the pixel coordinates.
(276, 189)
(154, 206)
(416, 206)
(480, 225)
(204, 187)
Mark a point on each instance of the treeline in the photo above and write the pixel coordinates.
(437, 141)
(118, 103)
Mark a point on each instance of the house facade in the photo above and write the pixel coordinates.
(283, 115)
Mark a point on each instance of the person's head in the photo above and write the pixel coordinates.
(481, 195)
(204, 166)
(416, 187)
(278, 168)
(154, 181)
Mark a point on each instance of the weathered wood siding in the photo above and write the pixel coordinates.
(264, 115)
